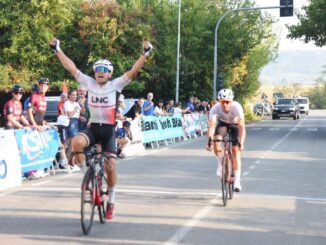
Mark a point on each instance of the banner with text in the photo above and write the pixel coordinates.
(161, 128)
(37, 149)
(10, 174)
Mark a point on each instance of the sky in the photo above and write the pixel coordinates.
(297, 62)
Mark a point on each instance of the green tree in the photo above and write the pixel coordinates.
(312, 24)
(317, 95)
(25, 29)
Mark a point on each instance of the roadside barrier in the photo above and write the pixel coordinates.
(23, 151)
(10, 168)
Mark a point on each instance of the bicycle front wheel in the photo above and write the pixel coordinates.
(88, 201)
(231, 182)
(224, 181)
(104, 198)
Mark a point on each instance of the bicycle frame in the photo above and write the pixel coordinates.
(227, 167)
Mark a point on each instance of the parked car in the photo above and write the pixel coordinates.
(286, 108)
(262, 109)
(51, 113)
(304, 105)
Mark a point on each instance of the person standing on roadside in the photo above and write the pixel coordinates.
(149, 105)
(37, 105)
(84, 111)
(13, 110)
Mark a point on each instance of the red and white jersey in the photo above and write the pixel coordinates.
(102, 99)
(233, 117)
(15, 108)
(38, 103)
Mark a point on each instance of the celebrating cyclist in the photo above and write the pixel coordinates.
(228, 115)
(103, 94)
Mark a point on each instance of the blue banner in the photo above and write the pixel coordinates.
(37, 149)
(161, 128)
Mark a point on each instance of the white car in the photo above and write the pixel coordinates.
(304, 105)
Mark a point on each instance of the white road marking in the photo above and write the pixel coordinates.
(312, 129)
(245, 173)
(255, 129)
(252, 166)
(182, 232)
(274, 129)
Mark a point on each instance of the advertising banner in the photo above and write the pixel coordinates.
(10, 168)
(161, 128)
(37, 149)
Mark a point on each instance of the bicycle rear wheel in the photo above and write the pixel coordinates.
(224, 181)
(88, 201)
(104, 196)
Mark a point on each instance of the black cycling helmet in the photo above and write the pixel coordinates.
(126, 124)
(35, 87)
(17, 88)
(44, 80)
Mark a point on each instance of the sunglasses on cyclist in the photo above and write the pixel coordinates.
(102, 69)
(18, 93)
(225, 102)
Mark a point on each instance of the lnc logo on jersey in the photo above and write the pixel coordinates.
(100, 100)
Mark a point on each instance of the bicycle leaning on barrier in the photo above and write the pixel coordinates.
(227, 117)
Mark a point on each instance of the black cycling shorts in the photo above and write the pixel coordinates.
(222, 128)
(103, 134)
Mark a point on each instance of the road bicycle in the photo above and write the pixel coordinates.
(227, 176)
(94, 190)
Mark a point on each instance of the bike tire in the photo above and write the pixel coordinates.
(87, 201)
(224, 182)
(104, 198)
(231, 182)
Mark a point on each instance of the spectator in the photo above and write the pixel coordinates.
(159, 110)
(37, 105)
(84, 112)
(62, 129)
(124, 137)
(137, 110)
(72, 109)
(120, 108)
(204, 107)
(26, 102)
(170, 107)
(149, 105)
(13, 110)
(190, 105)
(178, 110)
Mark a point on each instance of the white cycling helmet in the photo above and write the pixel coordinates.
(105, 63)
(225, 94)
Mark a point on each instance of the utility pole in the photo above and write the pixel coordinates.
(178, 54)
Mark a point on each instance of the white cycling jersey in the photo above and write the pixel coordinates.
(102, 99)
(232, 117)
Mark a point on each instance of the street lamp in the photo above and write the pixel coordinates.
(216, 29)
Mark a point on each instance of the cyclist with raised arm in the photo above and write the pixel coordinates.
(228, 115)
(103, 94)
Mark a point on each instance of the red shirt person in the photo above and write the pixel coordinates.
(37, 104)
(13, 110)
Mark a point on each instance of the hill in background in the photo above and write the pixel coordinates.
(295, 66)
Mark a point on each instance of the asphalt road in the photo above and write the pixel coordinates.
(171, 195)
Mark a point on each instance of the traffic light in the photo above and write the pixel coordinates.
(288, 9)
